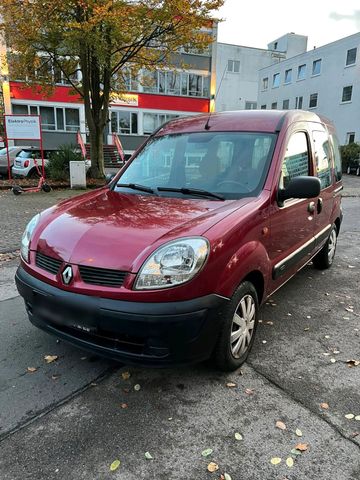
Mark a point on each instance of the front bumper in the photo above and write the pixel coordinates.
(148, 334)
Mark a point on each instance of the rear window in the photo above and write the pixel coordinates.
(233, 164)
(29, 154)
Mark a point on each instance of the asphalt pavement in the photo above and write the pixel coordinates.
(71, 418)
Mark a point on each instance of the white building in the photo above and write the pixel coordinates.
(237, 70)
(325, 80)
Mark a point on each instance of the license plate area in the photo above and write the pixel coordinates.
(54, 310)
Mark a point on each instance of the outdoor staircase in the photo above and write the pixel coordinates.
(111, 156)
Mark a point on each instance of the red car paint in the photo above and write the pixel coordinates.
(249, 237)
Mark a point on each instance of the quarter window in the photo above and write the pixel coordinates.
(322, 156)
(296, 160)
(351, 56)
(316, 68)
(347, 94)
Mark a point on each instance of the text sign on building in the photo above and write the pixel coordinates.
(23, 127)
(126, 99)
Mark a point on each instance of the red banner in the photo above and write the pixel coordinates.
(119, 148)
(81, 143)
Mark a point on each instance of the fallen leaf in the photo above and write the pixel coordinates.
(275, 460)
(336, 352)
(50, 358)
(353, 363)
(227, 476)
(302, 447)
(295, 452)
(125, 375)
(269, 323)
(249, 391)
(351, 266)
(325, 406)
(298, 432)
(115, 465)
(306, 329)
(55, 377)
(31, 369)
(212, 467)
(206, 452)
(264, 341)
(349, 416)
(355, 434)
(357, 418)
(238, 436)
(332, 360)
(290, 462)
(280, 425)
(231, 385)
(83, 358)
(327, 336)
(137, 387)
(148, 456)
(124, 405)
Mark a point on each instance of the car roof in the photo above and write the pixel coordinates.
(243, 120)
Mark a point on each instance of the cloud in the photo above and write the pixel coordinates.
(355, 17)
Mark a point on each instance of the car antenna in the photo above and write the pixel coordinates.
(207, 126)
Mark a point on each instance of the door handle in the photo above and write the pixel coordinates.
(319, 204)
(311, 207)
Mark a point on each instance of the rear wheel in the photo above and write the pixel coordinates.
(238, 330)
(324, 259)
(16, 190)
(33, 173)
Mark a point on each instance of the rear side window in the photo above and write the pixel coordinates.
(337, 158)
(296, 160)
(322, 157)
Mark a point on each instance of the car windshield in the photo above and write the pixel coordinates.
(231, 164)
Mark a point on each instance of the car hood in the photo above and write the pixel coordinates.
(113, 230)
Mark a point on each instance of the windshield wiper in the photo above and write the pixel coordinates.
(192, 191)
(136, 186)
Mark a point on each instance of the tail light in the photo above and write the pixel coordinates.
(26, 163)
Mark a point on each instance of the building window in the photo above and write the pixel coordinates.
(313, 100)
(350, 137)
(316, 67)
(124, 122)
(265, 83)
(233, 66)
(347, 94)
(275, 45)
(288, 75)
(276, 80)
(176, 83)
(351, 56)
(263, 107)
(274, 106)
(301, 72)
(286, 104)
(250, 105)
(152, 121)
(298, 103)
(52, 119)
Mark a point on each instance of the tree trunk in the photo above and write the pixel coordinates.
(97, 169)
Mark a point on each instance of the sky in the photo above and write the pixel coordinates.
(255, 23)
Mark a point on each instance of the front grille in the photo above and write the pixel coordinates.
(102, 276)
(49, 264)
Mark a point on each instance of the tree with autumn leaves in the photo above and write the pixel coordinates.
(102, 40)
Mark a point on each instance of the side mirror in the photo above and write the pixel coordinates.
(300, 187)
(109, 177)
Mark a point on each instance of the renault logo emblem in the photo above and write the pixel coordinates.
(67, 275)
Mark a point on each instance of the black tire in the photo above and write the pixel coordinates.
(46, 188)
(17, 190)
(325, 258)
(33, 173)
(223, 356)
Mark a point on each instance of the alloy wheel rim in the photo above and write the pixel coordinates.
(242, 328)
(332, 246)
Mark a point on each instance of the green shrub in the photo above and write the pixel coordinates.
(58, 166)
(349, 154)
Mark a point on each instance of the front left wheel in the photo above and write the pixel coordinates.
(238, 331)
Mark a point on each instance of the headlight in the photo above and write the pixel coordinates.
(25, 241)
(174, 263)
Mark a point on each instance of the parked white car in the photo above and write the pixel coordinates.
(13, 151)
